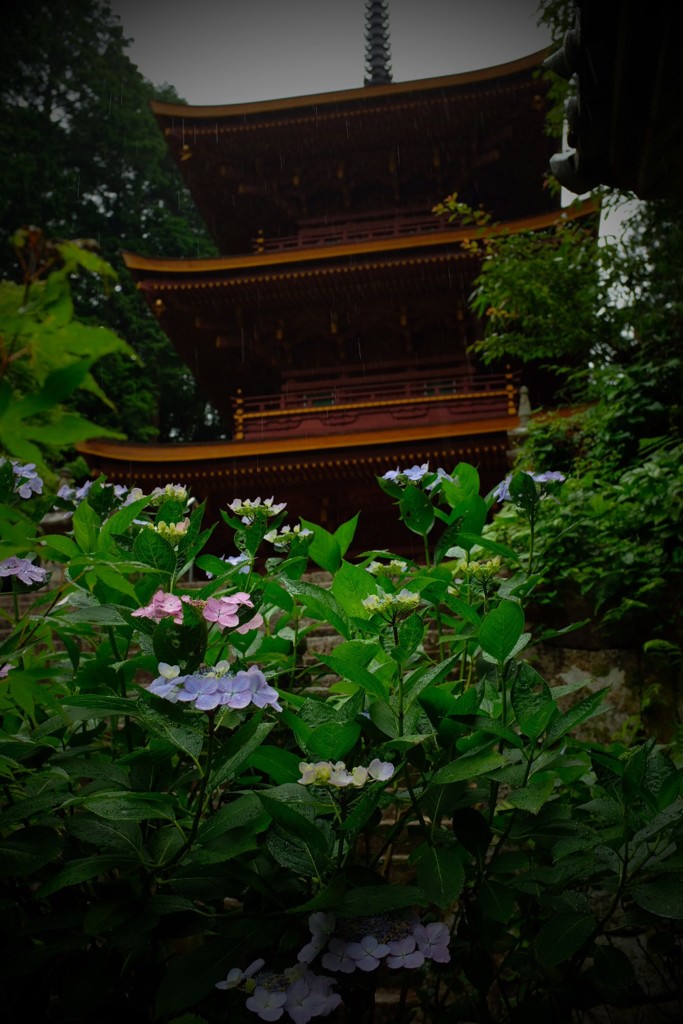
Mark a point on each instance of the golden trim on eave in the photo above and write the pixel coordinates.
(270, 470)
(209, 450)
(363, 93)
(435, 238)
(232, 126)
(163, 284)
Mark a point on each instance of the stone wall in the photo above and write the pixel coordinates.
(644, 695)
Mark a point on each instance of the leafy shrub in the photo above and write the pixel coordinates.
(195, 823)
(538, 291)
(616, 536)
(46, 352)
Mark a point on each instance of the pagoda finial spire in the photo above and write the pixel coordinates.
(377, 52)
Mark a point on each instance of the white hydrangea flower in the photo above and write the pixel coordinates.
(268, 1005)
(287, 535)
(321, 926)
(176, 491)
(172, 532)
(258, 508)
(367, 953)
(404, 953)
(380, 771)
(236, 976)
(392, 606)
(358, 777)
(406, 476)
(326, 773)
(134, 494)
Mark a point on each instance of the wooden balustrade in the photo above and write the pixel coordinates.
(320, 408)
(358, 228)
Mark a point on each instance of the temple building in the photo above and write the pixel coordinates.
(333, 332)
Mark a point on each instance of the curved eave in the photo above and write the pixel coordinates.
(211, 451)
(143, 265)
(464, 79)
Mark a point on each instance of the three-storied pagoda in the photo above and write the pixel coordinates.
(332, 334)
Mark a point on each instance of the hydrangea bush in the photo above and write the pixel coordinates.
(200, 824)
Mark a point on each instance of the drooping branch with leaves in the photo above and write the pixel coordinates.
(47, 353)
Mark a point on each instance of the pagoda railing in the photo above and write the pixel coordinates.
(318, 409)
(362, 227)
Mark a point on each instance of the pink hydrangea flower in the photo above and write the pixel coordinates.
(225, 611)
(160, 607)
(222, 611)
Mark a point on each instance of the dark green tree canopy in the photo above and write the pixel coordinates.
(88, 161)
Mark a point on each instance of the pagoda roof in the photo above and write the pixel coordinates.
(268, 164)
(200, 302)
(470, 81)
(307, 472)
(226, 452)
(149, 269)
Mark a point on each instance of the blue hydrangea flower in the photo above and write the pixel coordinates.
(213, 687)
(23, 569)
(27, 481)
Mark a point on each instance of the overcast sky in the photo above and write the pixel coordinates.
(234, 51)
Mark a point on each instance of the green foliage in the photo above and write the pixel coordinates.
(614, 539)
(46, 354)
(614, 313)
(630, 574)
(541, 294)
(160, 846)
(88, 161)
(563, 298)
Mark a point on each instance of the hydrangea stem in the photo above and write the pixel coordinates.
(201, 798)
(532, 537)
(399, 678)
(122, 683)
(426, 546)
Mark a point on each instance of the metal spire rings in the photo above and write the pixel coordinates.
(377, 51)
